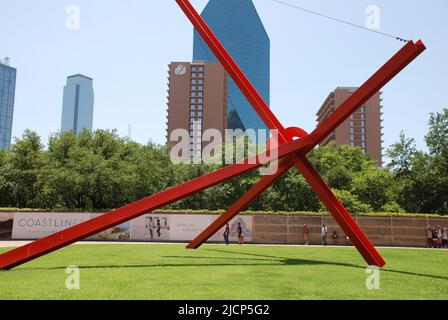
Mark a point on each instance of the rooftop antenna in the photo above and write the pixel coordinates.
(6, 61)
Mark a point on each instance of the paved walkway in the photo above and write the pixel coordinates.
(13, 244)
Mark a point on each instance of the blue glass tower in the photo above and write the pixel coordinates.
(7, 95)
(77, 107)
(237, 25)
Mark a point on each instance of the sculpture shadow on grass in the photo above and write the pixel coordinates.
(246, 259)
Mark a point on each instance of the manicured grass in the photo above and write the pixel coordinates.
(220, 272)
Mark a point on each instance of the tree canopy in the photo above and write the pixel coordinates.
(101, 170)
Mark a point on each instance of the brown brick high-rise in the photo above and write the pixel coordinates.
(362, 129)
(197, 100)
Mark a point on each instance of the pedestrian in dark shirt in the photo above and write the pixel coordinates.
(335, 237)
(226, 234)
(240, 234)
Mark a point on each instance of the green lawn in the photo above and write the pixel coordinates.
(220, 272)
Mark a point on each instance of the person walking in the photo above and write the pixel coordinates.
(240, 233)
(324, 235)
(434, 237)
(226, 234)
(335, 237)
(439, 237)
(429, 237)
(306, 234)
(445, 237)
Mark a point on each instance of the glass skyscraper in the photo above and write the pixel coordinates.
(237, 25)
(77, 106)
(7, 94)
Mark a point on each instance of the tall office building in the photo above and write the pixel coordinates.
(77, 106)
(237, 25)
(197, 100)
(362, 129)
(7, 96)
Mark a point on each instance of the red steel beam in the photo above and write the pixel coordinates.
(242, 203)
(405, 56)
(83, 230)
(249, 196)
(374, 84)
(298, 149)
(397, 63)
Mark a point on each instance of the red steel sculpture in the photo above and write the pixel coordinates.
(294, 145)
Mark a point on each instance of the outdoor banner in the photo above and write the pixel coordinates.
(6, 221)
(35, 225)
(184, 227)
(149, 227)
(119, 233)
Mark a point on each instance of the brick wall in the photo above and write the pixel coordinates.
(383, 231)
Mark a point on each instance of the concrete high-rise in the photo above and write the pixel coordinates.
(363, 129)
(7, 95)
(77, 106)
(237, 25)
(197, 100)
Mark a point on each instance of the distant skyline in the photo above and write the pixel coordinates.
(78, 104)
(7, 94)
(126, 47)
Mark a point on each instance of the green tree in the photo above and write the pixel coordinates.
(424, 190)
(26, 162)
(350, 202)
(374, 187)
(401, 154)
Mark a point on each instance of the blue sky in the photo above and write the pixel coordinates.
(126, 47)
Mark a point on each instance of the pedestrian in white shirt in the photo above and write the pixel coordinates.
(324, 234)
